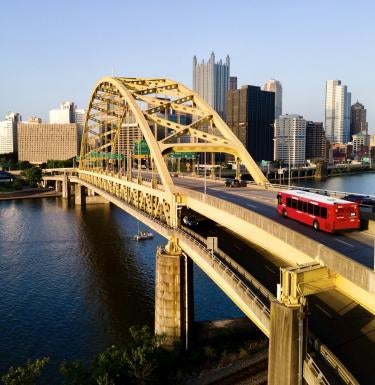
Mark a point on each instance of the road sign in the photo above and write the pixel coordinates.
(141, 148)
(182, 155)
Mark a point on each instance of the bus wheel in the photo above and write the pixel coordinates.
(316, 225)
(285, 214)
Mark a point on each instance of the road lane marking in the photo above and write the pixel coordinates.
(329, 315)
(345, 243)
(250, 205)
(271, 270)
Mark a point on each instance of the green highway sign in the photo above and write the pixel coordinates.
(141, 148)
(182, 155)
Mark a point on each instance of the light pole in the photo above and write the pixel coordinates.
(205, 180)
(289, 159)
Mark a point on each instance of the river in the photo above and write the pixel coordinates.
(72, 281)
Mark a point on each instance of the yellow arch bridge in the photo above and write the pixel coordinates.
(135, 131)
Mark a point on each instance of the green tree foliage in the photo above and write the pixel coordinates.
(136, 363)
(32, 175)
(59, 163)
(25, 375)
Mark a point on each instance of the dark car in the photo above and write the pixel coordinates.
(357, 198)
(235, 183)
(189, 221)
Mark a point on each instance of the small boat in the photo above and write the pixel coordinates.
(142, 235)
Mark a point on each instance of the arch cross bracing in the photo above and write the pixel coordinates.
(130, 119)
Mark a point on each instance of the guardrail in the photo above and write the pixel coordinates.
(337, 366)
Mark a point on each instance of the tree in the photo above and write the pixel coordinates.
(25, 375)
(32, 175)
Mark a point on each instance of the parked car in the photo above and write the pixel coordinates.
(189, 221)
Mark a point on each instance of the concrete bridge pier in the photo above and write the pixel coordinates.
(286, 345)
(58, 185)
(65, 187)
(174, 309)
(79, 194)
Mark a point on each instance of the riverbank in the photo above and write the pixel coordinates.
(30, 193)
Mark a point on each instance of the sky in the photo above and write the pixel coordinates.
(52, 51)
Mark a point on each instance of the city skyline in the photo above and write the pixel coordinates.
(63, 65)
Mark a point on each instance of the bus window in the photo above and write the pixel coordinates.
(294, 203)
(279, 199)
(316, 210)
(299, 205)
(288, 202)
(323, 212)
(305, 207)
(310, 208)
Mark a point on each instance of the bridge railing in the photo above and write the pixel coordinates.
(244, 291)
(268, 296)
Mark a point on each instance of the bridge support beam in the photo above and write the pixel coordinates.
(79, 194)
(174, 308)
(286, 350)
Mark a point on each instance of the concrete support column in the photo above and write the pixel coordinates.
(65, 187)
(174, 308)
(79, 194)
(286, 347)
(58, 186)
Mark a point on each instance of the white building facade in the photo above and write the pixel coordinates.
(8, 133)
(69, 113)
(337, 112)
(276, 87)
(290, 139)
(211, 82)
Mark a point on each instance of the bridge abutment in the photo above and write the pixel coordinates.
(174, 309)
(285, 345)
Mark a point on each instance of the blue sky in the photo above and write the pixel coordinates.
(52, 51)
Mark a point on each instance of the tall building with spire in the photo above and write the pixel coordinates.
(337, 112)
(276, 87)
(358, 121)
(211, 82)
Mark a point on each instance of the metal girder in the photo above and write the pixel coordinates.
(298, 282)
(130, 96)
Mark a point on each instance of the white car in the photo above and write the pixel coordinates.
(189, 221)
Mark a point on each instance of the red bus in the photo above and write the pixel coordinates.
(319, 211)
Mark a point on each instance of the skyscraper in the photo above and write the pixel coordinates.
(40, 142)
(250, 115)
(69, 113)
(290, 139)
(358, 119)
(8, 133)
(232, 83)
(315, 141)
(276, 87)
(337, 112)
(211, 82)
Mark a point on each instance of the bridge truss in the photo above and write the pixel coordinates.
(161, 117)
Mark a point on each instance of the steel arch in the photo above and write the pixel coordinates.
(156, 104)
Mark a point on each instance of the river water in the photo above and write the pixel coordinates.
(72, 280)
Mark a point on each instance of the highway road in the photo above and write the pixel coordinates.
(341, 324)
(357, 245)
